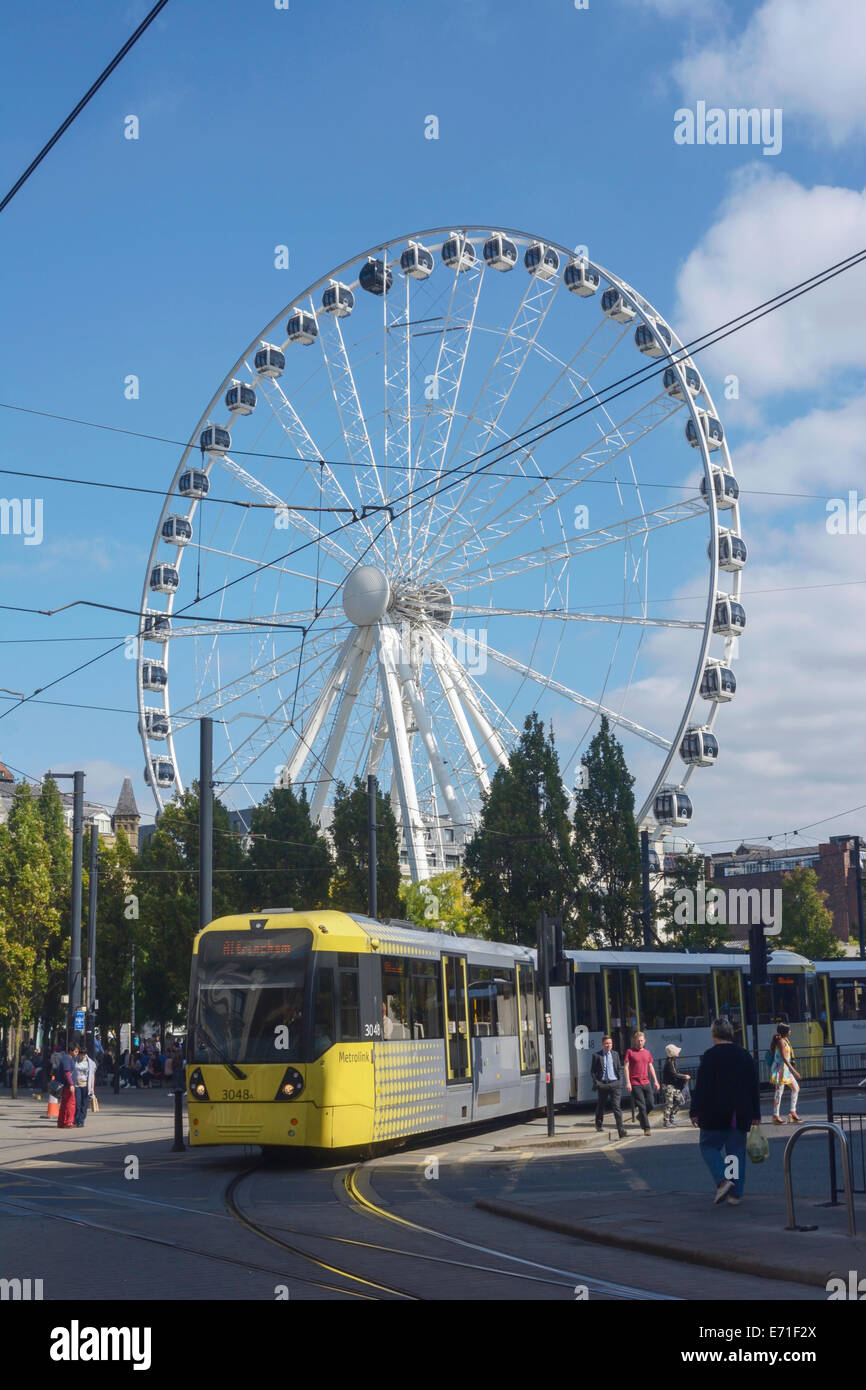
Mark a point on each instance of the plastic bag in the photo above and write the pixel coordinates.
(757, 1145)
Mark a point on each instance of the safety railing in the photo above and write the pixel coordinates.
(832, 1129)
(850, 1115)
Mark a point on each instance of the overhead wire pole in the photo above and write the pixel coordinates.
(372, 890)
(73, 1000)
(92, 892)
(205, 823)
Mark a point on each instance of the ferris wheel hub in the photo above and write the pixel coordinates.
(366, 595)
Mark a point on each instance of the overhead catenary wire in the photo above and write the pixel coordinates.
(88, 96)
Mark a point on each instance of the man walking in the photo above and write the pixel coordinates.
(725, 1104)
(606, 1073)
(638, 1070)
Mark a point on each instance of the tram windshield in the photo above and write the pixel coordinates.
(248, 1003)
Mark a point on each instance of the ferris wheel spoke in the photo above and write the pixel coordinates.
(321, 708)
(348, 694)
(468, 578)
(572, 616)
(356, 436)
(539, 678)
(595, 456)
(270, 566)
(275, 668)
(316, 468)
(397, 357)
(268, 623)
(401, 753)
(454, 339)
(569, 388)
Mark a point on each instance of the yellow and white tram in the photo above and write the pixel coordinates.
(327, 1030)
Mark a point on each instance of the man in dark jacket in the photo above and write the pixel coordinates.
(725, 1104)
(606, 1073)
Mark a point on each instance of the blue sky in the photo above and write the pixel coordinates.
(260, 127)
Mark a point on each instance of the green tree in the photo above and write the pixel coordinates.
(520, 861)
(807, 924)
(679, 913)
(167, 885)
(443, 902)
(349, 888)
(28, 918)
(118, 930)
(290, 861)
(607, 846)
(56, 952)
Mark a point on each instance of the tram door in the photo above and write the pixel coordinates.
(728, 987)
(456, 1000)
(620, 994)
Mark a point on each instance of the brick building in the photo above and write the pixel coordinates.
(760, 866)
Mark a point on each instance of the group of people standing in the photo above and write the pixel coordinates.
(75, 1073)
(724, 1105)
(638, 1071)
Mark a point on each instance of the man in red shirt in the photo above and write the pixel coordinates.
(638, 1070)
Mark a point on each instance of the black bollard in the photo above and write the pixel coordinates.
(178, 1147)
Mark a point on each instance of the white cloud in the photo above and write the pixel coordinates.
(820, 453)
(772, 233)
(802, 56)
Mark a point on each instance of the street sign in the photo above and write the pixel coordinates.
(78, 1023)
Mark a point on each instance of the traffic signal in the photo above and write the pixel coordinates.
(759, 954)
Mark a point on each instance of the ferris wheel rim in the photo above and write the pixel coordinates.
(678, 358)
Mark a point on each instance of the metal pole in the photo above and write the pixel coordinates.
(178, 1147)
(858, 874)
(93, 889)
(646, 901)
(372, 889)
(544, 969)
(77, 864)
(205, 823)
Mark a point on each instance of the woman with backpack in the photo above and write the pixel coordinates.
(780, 1059)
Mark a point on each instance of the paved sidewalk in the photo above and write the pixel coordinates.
(749, 1239)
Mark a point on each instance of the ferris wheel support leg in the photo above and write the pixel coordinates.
(320, 710)
(352, 686)
(489, 736)
(425, 729)
(413, 829)
(458, 714)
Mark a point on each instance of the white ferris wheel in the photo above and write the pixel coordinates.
(411, 514)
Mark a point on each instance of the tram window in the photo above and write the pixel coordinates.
(324, 1033)
(764, 1000)
(506, 1004)
(849, 1000)
(728, 994)
(587, 1002)
(787, 999)
(482, 1001)
(395, 1000)
(659, 1005)
(693, 1001)
(350, 1014)
(425, 1005)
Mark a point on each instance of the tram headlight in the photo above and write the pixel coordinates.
(197, 1087)
(291, 1085)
